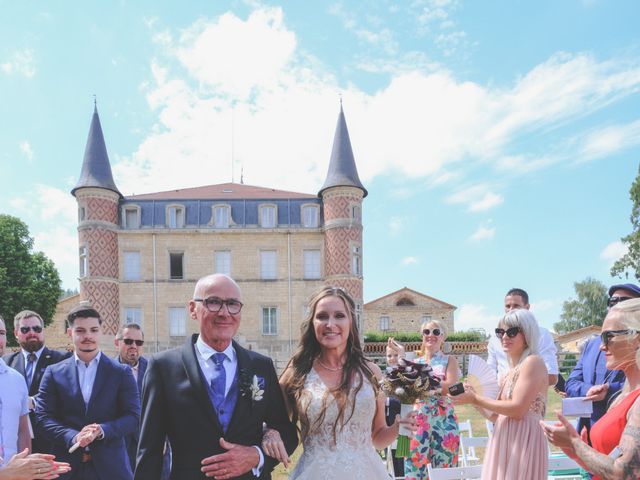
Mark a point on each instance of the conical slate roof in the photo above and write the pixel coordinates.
(342, 166)
(96, 169)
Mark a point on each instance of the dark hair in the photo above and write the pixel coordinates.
(82, 311)
(355, 366)
(132, 326)
(26, 314)
(520, 292)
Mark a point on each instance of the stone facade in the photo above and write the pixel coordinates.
(404, 311)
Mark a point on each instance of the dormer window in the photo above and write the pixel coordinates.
(310, 216)
(268, 216)
(131, 217)
(221, 216)
(175, 216)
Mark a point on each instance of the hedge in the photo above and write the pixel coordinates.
(468, 336)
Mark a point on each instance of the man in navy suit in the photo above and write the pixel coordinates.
(211, 397)
(91, 402)
(31, 361)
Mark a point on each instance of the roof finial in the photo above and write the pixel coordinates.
(242, 174)
(340, 95)
(95, 102)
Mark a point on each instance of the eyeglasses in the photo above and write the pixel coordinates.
(607, 335)
(35, 328)
(511, 332)
(436, 332)
(131, 341)
(616, 299)
(214, 304)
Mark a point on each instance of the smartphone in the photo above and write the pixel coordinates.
(456, 389)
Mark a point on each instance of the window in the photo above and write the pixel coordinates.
(84, 265)
(311, 260)
(222, 262)
(268, 216)
(356, 212)
(405, 302)
(356, 260)
(425, 319)
(81, 214)
(131, 217)
(177, 322)
(131, 262)
(384, 323)
(176, 270)
(268, 265)
(221, 216)
(133, 315)
(269, 321)
(176, 216)
(310, 216)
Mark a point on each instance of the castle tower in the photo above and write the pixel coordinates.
(342, 195)
(98, 198)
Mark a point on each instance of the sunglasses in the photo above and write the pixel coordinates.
(131, 341)
(36, 329)
(511, 332)
(607, 335)
(436, 332)
(616, 299)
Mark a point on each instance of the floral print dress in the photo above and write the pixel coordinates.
(438, 438)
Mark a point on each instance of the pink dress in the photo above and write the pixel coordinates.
(518, 448)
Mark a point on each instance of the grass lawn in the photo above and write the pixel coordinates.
(464, 412)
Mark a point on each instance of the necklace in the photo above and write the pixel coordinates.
(331, 369)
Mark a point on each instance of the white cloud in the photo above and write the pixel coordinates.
(20, 63)
(26, 150)
(478, 198)
(604, 142)
(484, 232)
(613, 252)
(397, 224)
(488, 201)
(59, 243)
(409, 261)
(476, 316)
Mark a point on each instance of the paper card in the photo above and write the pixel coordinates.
(577, 407)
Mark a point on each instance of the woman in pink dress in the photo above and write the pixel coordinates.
(518, 448)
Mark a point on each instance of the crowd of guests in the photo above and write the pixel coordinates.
(213, 409)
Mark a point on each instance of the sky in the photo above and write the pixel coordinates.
(498, 140)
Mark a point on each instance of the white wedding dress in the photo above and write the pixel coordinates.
(352, 456)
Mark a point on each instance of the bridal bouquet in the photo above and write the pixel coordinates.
(408, 382)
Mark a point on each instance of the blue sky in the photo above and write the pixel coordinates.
(498, 140)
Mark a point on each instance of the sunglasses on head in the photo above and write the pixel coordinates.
(616, 299)
(511, 332)
(435, 332)
(131, 341)
(35, 328)
(607, 335)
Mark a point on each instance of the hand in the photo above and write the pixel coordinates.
(396, 347)
(408, 421)
(597, 392)
(467, 397)
(237, 459)
(88, 434)
(273, 446)
(561, 434)
(23, 466)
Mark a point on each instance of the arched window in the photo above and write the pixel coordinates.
(405, 302)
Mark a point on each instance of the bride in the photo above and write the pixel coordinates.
(332, 392)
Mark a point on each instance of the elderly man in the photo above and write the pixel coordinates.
(88, 404)
(211, 397)
(31, 361)
(14, 419)
(517, 298)
(590, 377)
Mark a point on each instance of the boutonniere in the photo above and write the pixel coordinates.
(251, 386)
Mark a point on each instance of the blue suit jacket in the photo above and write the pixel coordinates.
(114, 404)
(591, 370)
(131, 441)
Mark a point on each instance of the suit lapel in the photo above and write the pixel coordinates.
(102, 375)
(192, 370)
(71, 372)
(43, 362)
(242, 408)
(18, 363)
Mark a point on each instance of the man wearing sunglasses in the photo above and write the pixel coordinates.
(31, 361)
(590, 376)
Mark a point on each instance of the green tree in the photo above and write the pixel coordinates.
(588, 308)
(28, 279)
(631, 260)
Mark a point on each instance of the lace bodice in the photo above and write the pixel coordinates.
(539, 404)
(352, 454)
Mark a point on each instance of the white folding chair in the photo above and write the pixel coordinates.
(455, 473)
(563, 467)
(490, 426)
(468, 449)
(469, 456)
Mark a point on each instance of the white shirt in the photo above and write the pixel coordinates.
(497, 359)
(26, 354)
(14, 403)
(87, 376)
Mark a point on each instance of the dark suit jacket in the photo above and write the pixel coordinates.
(591, 370)
(175, 402)
(47, 357)
(114, 404)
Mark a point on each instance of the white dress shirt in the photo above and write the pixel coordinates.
(87, 376)
(497, 359)
(13, 405)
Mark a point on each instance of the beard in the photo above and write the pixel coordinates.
(32, 345)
